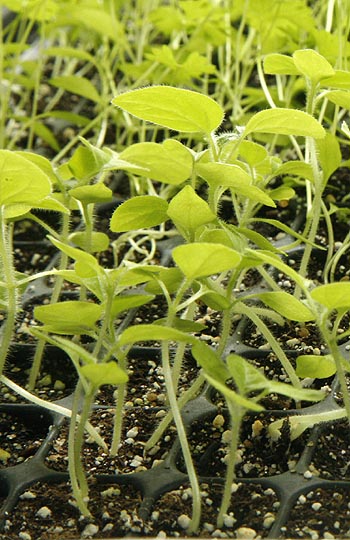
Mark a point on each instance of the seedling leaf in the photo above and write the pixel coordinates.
(129, 301)
(333, 295)
(169, 162)
(174, 108)
(204, 259)
(153, 332)
(96, 193)
(232, 176)
(105, 373)
(287, 305)
(139, 212)
(285, 122)
(315, 366)
(98, 241)
(280, 64)
(71, 317)
(22, 182)
(188, 211)
(210, 361)
(77, 85)
(312, 65)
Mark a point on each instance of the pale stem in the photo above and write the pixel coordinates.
(189, 394)
(76, 473)
(196, 496)
(236, 415)
(275, 346)
(11, 290)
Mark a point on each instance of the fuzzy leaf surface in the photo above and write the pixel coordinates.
(333, 295)
(139, 212)
(315, 366)
(281, 121)
(202, 259)
(104, 373)
(287, 305)
(188, 211)
(170, 162)
(312, 65)
(173, 108)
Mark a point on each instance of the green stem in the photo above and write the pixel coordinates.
(275, 346)
(189, 394)
(11, 290)
(40, 348)
(236, 415)
(338, 360)
(181, 431)
(75, 443)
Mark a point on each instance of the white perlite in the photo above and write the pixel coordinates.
(28, 495)
(269, 519)
(44, 512)
(90, 530)
(229, 521)
(183, 521)
(133, 432)
(246, 533)
(24, 536)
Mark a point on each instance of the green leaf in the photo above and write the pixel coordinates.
(339, 97)
(77, 85)
(170, 162)
(341, 79)
(287, 305)
(315, 366)
(70, 52)
(312, 65)
(86, 265)
(98, 241)
(22, 183)
(288, 230)
(87, 162)
(153, 332)
(329, 154)
(216, 301)
(203, 259)
(280, 64)
(232, 176)
(188, 211)
(105, 373)
(282, 193)
(247, 377)
(173, 108)
(285, 122)
(96, 193)
(234, 397)
(53, 204)
(139, 212)
(129, 301)
(333, 295)
(210, 361)
(252, 153)
(298, 394)
(275, 261)
(297, 168)
(40, 161)
(96, 19)
(71, 317)
(185, 325)
(171, 278)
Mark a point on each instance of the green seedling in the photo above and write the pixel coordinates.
(23, 185)
(250, 386)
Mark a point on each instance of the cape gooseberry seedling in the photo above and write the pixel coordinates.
(209, 263)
